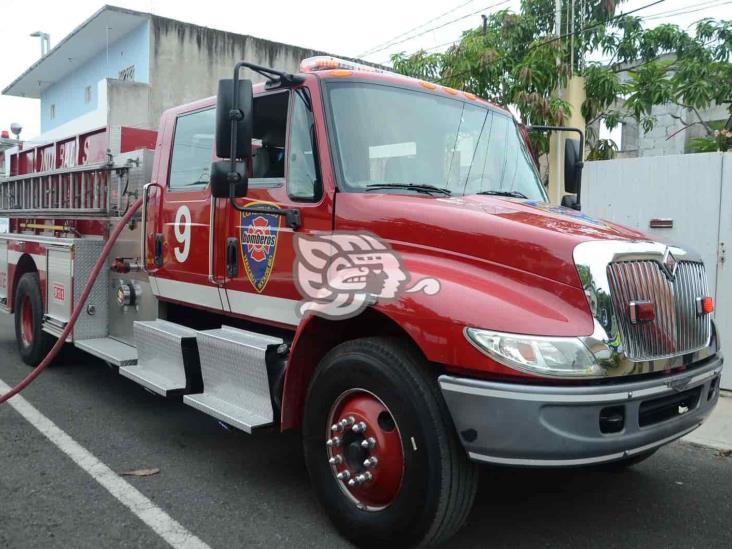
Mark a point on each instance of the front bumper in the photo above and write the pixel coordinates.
(550, 426)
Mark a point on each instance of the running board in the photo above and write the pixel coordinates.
(167, 358)
(235, 381)
(110, 350)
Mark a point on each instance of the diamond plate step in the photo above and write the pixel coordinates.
(110, 350)
(234, 369)
(167, 362)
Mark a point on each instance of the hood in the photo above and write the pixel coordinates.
(530, 236)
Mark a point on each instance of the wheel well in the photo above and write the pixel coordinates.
(318, 337)
(24, 265)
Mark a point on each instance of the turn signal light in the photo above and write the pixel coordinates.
(642, 311)
(704, 305)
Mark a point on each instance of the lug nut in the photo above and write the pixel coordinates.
(360, 479)
(333, 442)
(370, 463)
(360, 427)
(368, 443)
(347, 421)
(336, 427)
(336, 460)
(344, 475)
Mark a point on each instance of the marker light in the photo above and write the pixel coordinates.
(704, 305)
(642, 311)
(546, 356)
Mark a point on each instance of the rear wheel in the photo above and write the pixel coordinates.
(33, 342)
(381, 448)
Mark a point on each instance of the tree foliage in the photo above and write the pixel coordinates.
(517, 59)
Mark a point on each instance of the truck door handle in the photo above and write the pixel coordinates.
(159, 249)
(232, 257)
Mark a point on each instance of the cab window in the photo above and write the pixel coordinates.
(193, 143)
(302, 178)
(268, 138)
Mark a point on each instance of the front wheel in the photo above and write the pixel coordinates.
(381, 449)
(33, 343)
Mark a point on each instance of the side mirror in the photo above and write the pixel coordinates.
(234, 119)
(572, 165)
(234, 126)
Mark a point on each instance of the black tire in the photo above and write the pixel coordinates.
(623, 464)
(35, 344)
(438, 481)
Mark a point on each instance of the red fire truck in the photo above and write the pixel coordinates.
(370, 259)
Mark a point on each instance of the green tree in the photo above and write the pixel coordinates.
(517, 59)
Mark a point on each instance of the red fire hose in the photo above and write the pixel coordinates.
(79, 307)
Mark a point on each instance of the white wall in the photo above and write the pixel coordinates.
(694, 190)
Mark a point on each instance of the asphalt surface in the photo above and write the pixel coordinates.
(235, 490)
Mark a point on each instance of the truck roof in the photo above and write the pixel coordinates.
(324, 67)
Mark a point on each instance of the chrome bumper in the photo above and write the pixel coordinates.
(550, 426)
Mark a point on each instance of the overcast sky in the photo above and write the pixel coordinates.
(345, 28)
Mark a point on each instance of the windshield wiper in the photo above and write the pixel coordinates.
(512, 194)
(418, 187)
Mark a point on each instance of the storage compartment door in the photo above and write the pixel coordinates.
(58, 288)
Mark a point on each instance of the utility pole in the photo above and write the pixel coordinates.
(556, 140)
(574, 94)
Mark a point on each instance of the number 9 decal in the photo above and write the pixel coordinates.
(182, 229)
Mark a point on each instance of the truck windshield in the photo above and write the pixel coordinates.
(393, 138)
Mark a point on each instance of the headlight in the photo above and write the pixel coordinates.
(546, 356)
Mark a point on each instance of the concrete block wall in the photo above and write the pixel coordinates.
(187, 61)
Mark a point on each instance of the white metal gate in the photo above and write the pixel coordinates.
(692, 191)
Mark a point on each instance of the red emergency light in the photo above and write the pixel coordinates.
(4, 134)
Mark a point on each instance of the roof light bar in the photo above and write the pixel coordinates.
(326, 63)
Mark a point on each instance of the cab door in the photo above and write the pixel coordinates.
(183, 269)
(285, 175)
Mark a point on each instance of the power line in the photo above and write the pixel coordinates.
(687, 9)
(580, 31)
(591, 27)
(398, 36)
(585, 29)
(440, 26)
(438, 46)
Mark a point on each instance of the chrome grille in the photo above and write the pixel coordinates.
(677, 328)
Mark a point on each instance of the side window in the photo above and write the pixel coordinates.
(269, 136)
(193, 143)
(301, 174)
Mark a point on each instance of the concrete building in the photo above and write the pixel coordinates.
(668, 135)
(124, 67)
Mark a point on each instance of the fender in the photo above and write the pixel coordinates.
(25, 257)
(472, 294)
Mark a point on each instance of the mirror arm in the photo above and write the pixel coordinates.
(292, 215)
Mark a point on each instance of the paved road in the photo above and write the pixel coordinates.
(233, 490)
